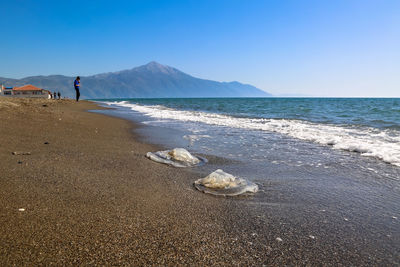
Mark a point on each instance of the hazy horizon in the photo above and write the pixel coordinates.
(309, 48)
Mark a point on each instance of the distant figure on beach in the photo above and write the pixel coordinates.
(77, 83)
(55, 95)
(59, 95)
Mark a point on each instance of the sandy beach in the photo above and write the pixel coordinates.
(78, 189)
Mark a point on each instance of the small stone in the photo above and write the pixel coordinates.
(394, 217)
(46, 143)
(20, 153)
(346, 219)
(279, 239)
(21, 209)
(19, 162)
(311, 236)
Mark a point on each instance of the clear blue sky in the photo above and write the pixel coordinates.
(318, 48)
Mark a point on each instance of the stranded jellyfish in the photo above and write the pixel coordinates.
(224, 184)
(177, 157)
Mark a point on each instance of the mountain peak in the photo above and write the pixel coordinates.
(155, 67)
(154, 64)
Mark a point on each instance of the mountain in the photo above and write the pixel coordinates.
(150, 80)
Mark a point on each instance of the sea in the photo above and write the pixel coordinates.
(312, 133)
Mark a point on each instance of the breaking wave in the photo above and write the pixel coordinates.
(368, 141)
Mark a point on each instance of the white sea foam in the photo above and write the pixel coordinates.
(371, 142)
(192, 138)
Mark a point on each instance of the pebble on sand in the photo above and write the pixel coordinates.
(20, 153)
(21, 209)
(279, 239)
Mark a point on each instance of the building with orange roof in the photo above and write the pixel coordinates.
(25, 91)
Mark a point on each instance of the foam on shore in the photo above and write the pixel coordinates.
(368, 141)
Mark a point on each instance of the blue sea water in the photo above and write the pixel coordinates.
(382, 113)
(302, 134)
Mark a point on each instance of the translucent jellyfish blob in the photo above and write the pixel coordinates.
(177, 157)
(224, 184)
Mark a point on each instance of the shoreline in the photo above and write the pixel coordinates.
(91, 197)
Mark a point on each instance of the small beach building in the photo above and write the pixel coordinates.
(28, 91)
(7, 91)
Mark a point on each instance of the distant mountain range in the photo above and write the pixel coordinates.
(150, 80)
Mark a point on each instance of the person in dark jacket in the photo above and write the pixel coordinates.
(77, 84)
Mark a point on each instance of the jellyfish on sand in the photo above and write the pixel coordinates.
(177, 157)
(224, 184)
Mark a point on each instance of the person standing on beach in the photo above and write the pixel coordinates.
(59, 95)
(77, 84)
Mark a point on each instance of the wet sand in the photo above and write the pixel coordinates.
(90, 197)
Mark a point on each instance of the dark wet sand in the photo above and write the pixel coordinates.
(92, 198)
